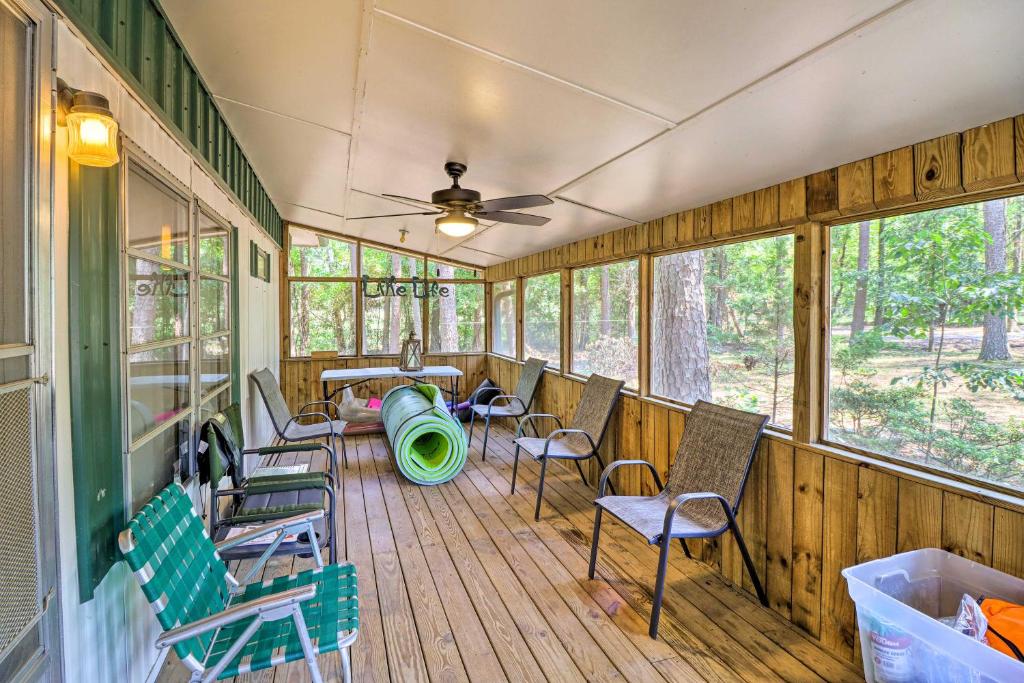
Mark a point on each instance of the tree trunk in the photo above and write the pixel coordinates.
(837, 293)
(880, 294)
(606, 304)
(302, 343)
(680, 367)
(720, 301)
(448, 329)
(394, 324)
(417, 309)
(632, 301)
(994, 345)
(860, 295)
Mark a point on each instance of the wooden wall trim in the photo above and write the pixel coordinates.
(975, 164)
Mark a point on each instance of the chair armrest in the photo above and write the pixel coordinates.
(560, 432)
(619, 463)
(235, 613)
(285, 448)
(508, 397)
(305, 519)
(670, 513)
(337, 412)
(529, 419)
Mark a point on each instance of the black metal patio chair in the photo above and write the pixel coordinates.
(517, 405)
(264, 495)
(705, 485)
(580, 441)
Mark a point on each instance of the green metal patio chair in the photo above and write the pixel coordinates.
(220, 628)
(260, 497)
(517, 405)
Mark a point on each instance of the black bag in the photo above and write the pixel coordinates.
(482, 395)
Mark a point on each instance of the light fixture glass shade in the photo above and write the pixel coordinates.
(456, 224)
(92, 137)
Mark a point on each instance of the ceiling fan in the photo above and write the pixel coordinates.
(460, 208)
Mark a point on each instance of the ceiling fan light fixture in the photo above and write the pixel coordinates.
(456, 224)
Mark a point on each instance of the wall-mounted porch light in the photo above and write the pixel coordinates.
(92, 130)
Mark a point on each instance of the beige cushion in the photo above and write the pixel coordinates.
(646, 516)
(563, 447)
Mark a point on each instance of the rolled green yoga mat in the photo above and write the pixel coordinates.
(429, 444)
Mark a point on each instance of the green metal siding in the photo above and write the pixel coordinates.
(94, 337)
(136, 37)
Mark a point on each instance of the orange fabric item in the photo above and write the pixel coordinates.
(1005, 626)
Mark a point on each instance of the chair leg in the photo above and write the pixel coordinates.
(346, 665)
(600, 461)
(472, 420)
(593, 542)
(579, 468)
(333, 531)
(746, 560)
(307, 645)
(515, 467)
(487, 431)
(686, 549)
(540, 488)
(659, 587)
(344, 453)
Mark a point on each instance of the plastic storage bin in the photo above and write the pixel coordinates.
(898, 599)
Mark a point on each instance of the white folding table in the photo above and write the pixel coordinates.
(355, 376)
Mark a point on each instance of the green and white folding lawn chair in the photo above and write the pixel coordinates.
(219, 628)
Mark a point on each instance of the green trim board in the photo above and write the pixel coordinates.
(136, 37)
(236, 360)
(94, 324)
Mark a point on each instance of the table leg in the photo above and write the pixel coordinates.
(326, 395)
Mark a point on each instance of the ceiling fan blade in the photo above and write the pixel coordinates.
(525, 201)
(410, 199)
(511, 217)
(395, 215)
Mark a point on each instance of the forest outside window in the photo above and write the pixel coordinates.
(722, 327)
(390, 311)
(927, 350)
(605, 303)
(321, 293)
(503, 318)
(457, 317)
(542, 311)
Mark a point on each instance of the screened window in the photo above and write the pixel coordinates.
(605, 302)
(927, 352)
(390, 309)
(722, 327)
(542, 310)
(322, 288)
(503, 318)
(457, 317)
(323, 317)
(214, 305)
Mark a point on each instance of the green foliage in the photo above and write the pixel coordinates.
(912, 385)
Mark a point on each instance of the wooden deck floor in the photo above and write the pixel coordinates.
(458, 583)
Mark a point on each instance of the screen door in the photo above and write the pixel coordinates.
(28, 612)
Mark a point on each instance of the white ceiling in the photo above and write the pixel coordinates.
(624, 112)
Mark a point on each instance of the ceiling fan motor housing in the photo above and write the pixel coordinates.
(455, 196)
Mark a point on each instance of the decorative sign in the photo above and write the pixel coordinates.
(161, 284)
(420, 289)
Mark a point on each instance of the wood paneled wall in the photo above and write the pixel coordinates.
(300, 377)
(807, 511)
(983, 161)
